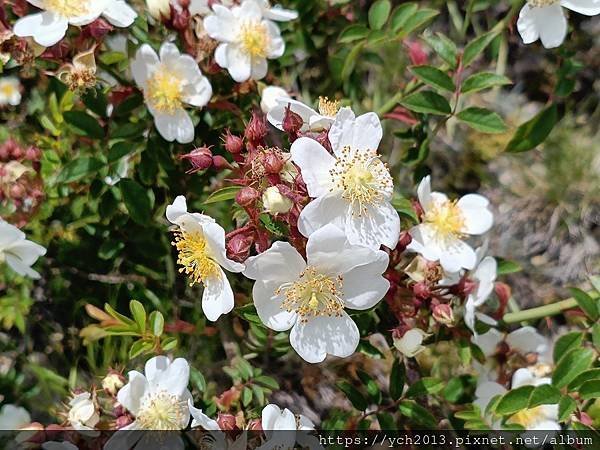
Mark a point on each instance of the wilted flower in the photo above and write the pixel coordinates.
(19, 253)
(81, 74)
(274, 202)
(83, 414)
(112, 382)
(49, 26)
(410, 344)
(310, 296)
(10, 91)
(170, 82)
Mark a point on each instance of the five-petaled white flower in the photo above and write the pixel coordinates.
(50, 25)
(247, 39)
(311, 120)
(444, 225)
(83, 414)
(545, 19)
(484, 277)
(18, 252)
(310, 297)
(10, 91)
(200, 242)
(170, 82)
(351, 188)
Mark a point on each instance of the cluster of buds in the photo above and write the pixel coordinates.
(21, 186)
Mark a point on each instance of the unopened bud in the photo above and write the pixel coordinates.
(200, 158)
(33, 154)
(122, 421)
(238, 247)
(443, 314)
(233, 144)
(247, 196)
(112, 382)
(221, 163)
(410, 344)
(255, 425)
(421, 290)
(159, 9)
(404, 241)
(292, 122)
(226, 422)
(272, 162)
(256, 130)
(274, 202)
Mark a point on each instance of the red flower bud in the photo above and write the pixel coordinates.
(238, 247)
(421, 290)
(123, 421)
(33, 154)
(247, 196)
(292, 122)
(256, 130)
(416, 53)
(323, 139)
(233, 144)
(272, 162)
(404, 240)
(221, 163)
(99, 28)
(443, 314)
(226, 422)
(201, 158)
(255, 425)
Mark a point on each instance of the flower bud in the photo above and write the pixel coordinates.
(200, 158)
(410, 344)
(159, 9)
(255, 425)
(247, 196)
(112, 382)
(221, 163)
(292, 122)
(226, 422)
(122, 421)
(256, 130)
(272, 162)
(404, 240)
(33, 154)
(421, 290)
(443, 314)
(238, 247)
(233, 144)
(275, 203)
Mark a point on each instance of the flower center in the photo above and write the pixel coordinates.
(528, 417)
(67, 8)
(328, 107)
(255, 40)
(313, 294)
(541, 3)
(362, 177)
(165, 90)
(162, 411)
(194, 257)
(7, 89)
(446, 218)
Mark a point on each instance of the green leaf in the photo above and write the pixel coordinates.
(433, 77)
(226, 193)
(566, 343)
(483, 80)
(586, 303)
(397, 377)
(590, 389)
(425, 386)
(427, 102)
(353, 33)
(136, 201)
(401, 15)
(379, 13)
(197, 379)
(259, 394)
(246, 396)
(139, 347)
(514, 400)
(418, 414)
(118, 316)
(139, 314)
(371, 387)
(268, 382)
(418, 19)
(505, 266)
(404, 206)
(483, 120)
(533, 132)
(571, 365)
(544, 394)
(120, 149)
(386, 421)
(356, 398)
(596, 336)
(84, 124)
(169, 343)
(587, 375)
(350, 61)
(566, 407)
(79, 168)
(443, 47)
(156, 321)
(478, 45)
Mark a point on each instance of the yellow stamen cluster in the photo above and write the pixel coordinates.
(528, 417)
(165, 90)
(254, 39)
(328, 108)
(193, 256)
(362, 177)
(162, 411)
(67, 8)
(446, 218)
(541, 3)
(313, 295)
(79, 80)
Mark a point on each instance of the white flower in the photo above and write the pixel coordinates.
(312, 120)
(158, 398)
(82, 413)
(168, 84)
(410, 344)
(50, 25)
(276, 12)
(19, 253)
(310, 297)
(215, 439)
(484, 277)
(247, 39)
(274, 202)
(351, 188)
(10, 91)
(445, 223)
(202, 7)
(14, 417)
(545, 19)
(280, 426)
(269, 97)
(160, 8)
(200, 242)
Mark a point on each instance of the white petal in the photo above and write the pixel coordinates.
(120, 14)
(259, 68)
(364, 286)
(360, 134)
(250, 10)
(522, 377)
(176, 209)
(486, 271)
(277, 114)
(221, 55)
(177, 126)
(281, 262)
(27, 251)
(379, 225)
(222, 25)
(176, 378)
(199, 93)
(9, 234)
(21, 268)
(586, 7)
(201, 419)
(328, 209)
(424, 193)
(239, 63)
(527, 25)
(217, 298)
(155, 368)
(199, 7)
(321, 336)
(478, 218)
(488, 342)
(268, 306)
(457, 255)
(131, 394)
(215, 236)
(552, 25)
(527, 340)
(342, 131)
(269, 416)
(315, 163)
(279, 14)
(45, 27)
(425, 243)
(143, 64)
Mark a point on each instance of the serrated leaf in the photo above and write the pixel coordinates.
(433, 77)
(354, 396)
(427, 102)
(220, 195)
(566, 407)
(566, 343)
(136, 201)
(156, 322)
(571, 365)
(379, 12)
(514, 400)
(478, 45)
(353, 33)
(533, 132)
(586, 303)
(84, 124)
(482, 119)
(139, 314)
(483, 80)
(401, 15)
(79, 168)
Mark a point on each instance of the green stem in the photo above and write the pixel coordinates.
(539, 312)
